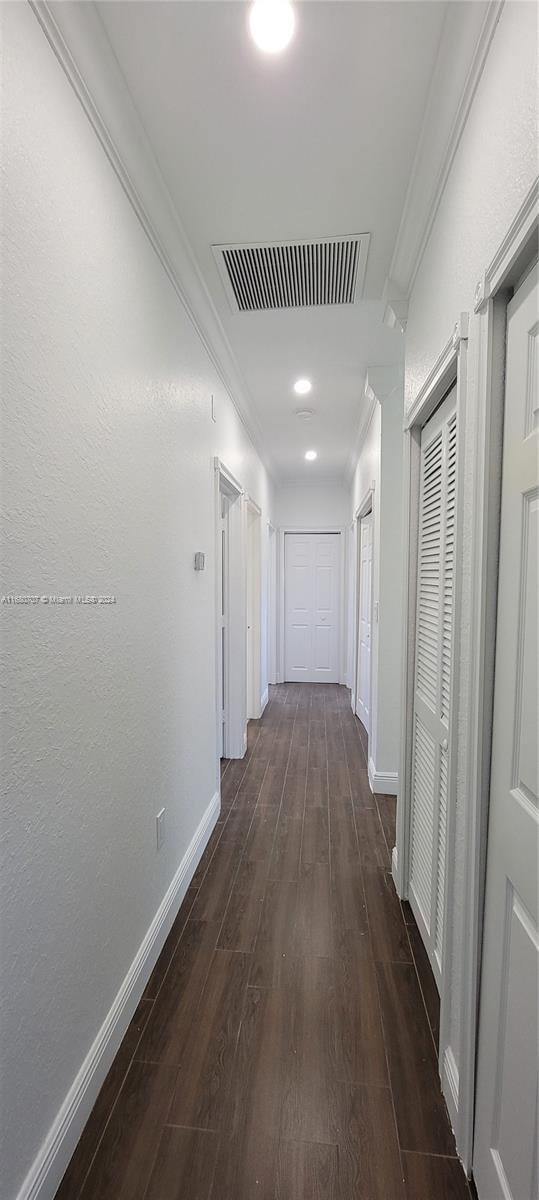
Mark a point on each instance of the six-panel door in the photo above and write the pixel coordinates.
(312, 599)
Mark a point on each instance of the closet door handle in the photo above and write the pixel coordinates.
(445, 744)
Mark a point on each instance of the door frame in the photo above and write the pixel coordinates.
(485, 400)
(281, 534)
(253, 566)
(235, 742)
(514, 256)
(367, 506)
(272, 604)
(450, 369)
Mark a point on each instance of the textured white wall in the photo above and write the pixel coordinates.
(390, 610)
(317, 504)
(380, 462)
(492, 172)
(108, 487)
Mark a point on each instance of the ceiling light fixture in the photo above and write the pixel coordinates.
(302, 386)
(311, 455)
(272, 24)
(304, 413)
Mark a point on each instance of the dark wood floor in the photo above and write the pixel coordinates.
(284, 1048)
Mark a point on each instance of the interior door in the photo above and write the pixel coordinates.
(505, 1148)
(312, 597)
(363, 688)
(433, 676)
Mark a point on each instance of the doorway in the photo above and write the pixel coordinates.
(363, 666)
(254, 592)
(312, 597)
(230, 616)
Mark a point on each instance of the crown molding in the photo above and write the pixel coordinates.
(504, 269)
(395, 306)
(466, 36)
(380, 382)
(78, 38)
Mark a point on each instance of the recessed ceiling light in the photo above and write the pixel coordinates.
(311, 455)
(272, 24)
(304, 413)
(302, 386)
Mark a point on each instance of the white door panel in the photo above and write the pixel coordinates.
(363, 689)
(505, 1146)
(312, 586)
(433, 675)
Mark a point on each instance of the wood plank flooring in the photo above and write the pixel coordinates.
(285, 1045)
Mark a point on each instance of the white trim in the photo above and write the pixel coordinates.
(439, 378)
(362, 432)
(55, 1153)
(228, 476)
(79, 41)
(518, 246)
(506, 266)
(236, 690)
(395, 865)
(281, 534)
(464, 45)
(386, 782)
(380, 382)
(264, 700)
(272, 603)
(449, 368)
(367, 505)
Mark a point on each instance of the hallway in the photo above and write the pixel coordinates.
(313, 1072)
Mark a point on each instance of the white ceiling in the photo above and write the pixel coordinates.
(316, 142)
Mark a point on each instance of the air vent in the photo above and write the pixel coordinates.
(278, 275)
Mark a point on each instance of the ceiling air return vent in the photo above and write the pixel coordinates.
(277, 275)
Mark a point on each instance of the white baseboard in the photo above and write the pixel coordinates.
(264, 700)
(395, 867)
(386, 782)
(51, 1162)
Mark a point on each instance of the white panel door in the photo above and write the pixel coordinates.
(433, 675)
(312, 587)
(363, 691)
(505, 1149)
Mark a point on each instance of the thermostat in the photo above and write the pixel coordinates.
(199, 561)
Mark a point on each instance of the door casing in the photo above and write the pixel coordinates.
(484, 393)
(362, 516)
(283, 530)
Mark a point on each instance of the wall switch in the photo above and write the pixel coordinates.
(160, 827)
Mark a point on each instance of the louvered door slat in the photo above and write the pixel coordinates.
(432, 683)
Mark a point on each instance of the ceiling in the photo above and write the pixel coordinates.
(316, 142)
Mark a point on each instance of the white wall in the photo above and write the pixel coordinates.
(311, 505)
(492, 172)
(380, 463)
(108, 487)
(387, 750)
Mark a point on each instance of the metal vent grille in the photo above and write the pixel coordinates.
(280, 275)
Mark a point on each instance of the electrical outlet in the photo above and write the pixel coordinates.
(160, 828)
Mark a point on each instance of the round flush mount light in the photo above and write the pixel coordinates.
(311, 455)
(272, 24)
(304, 414)
(302, 387)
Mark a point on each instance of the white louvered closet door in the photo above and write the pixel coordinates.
(433, 675)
